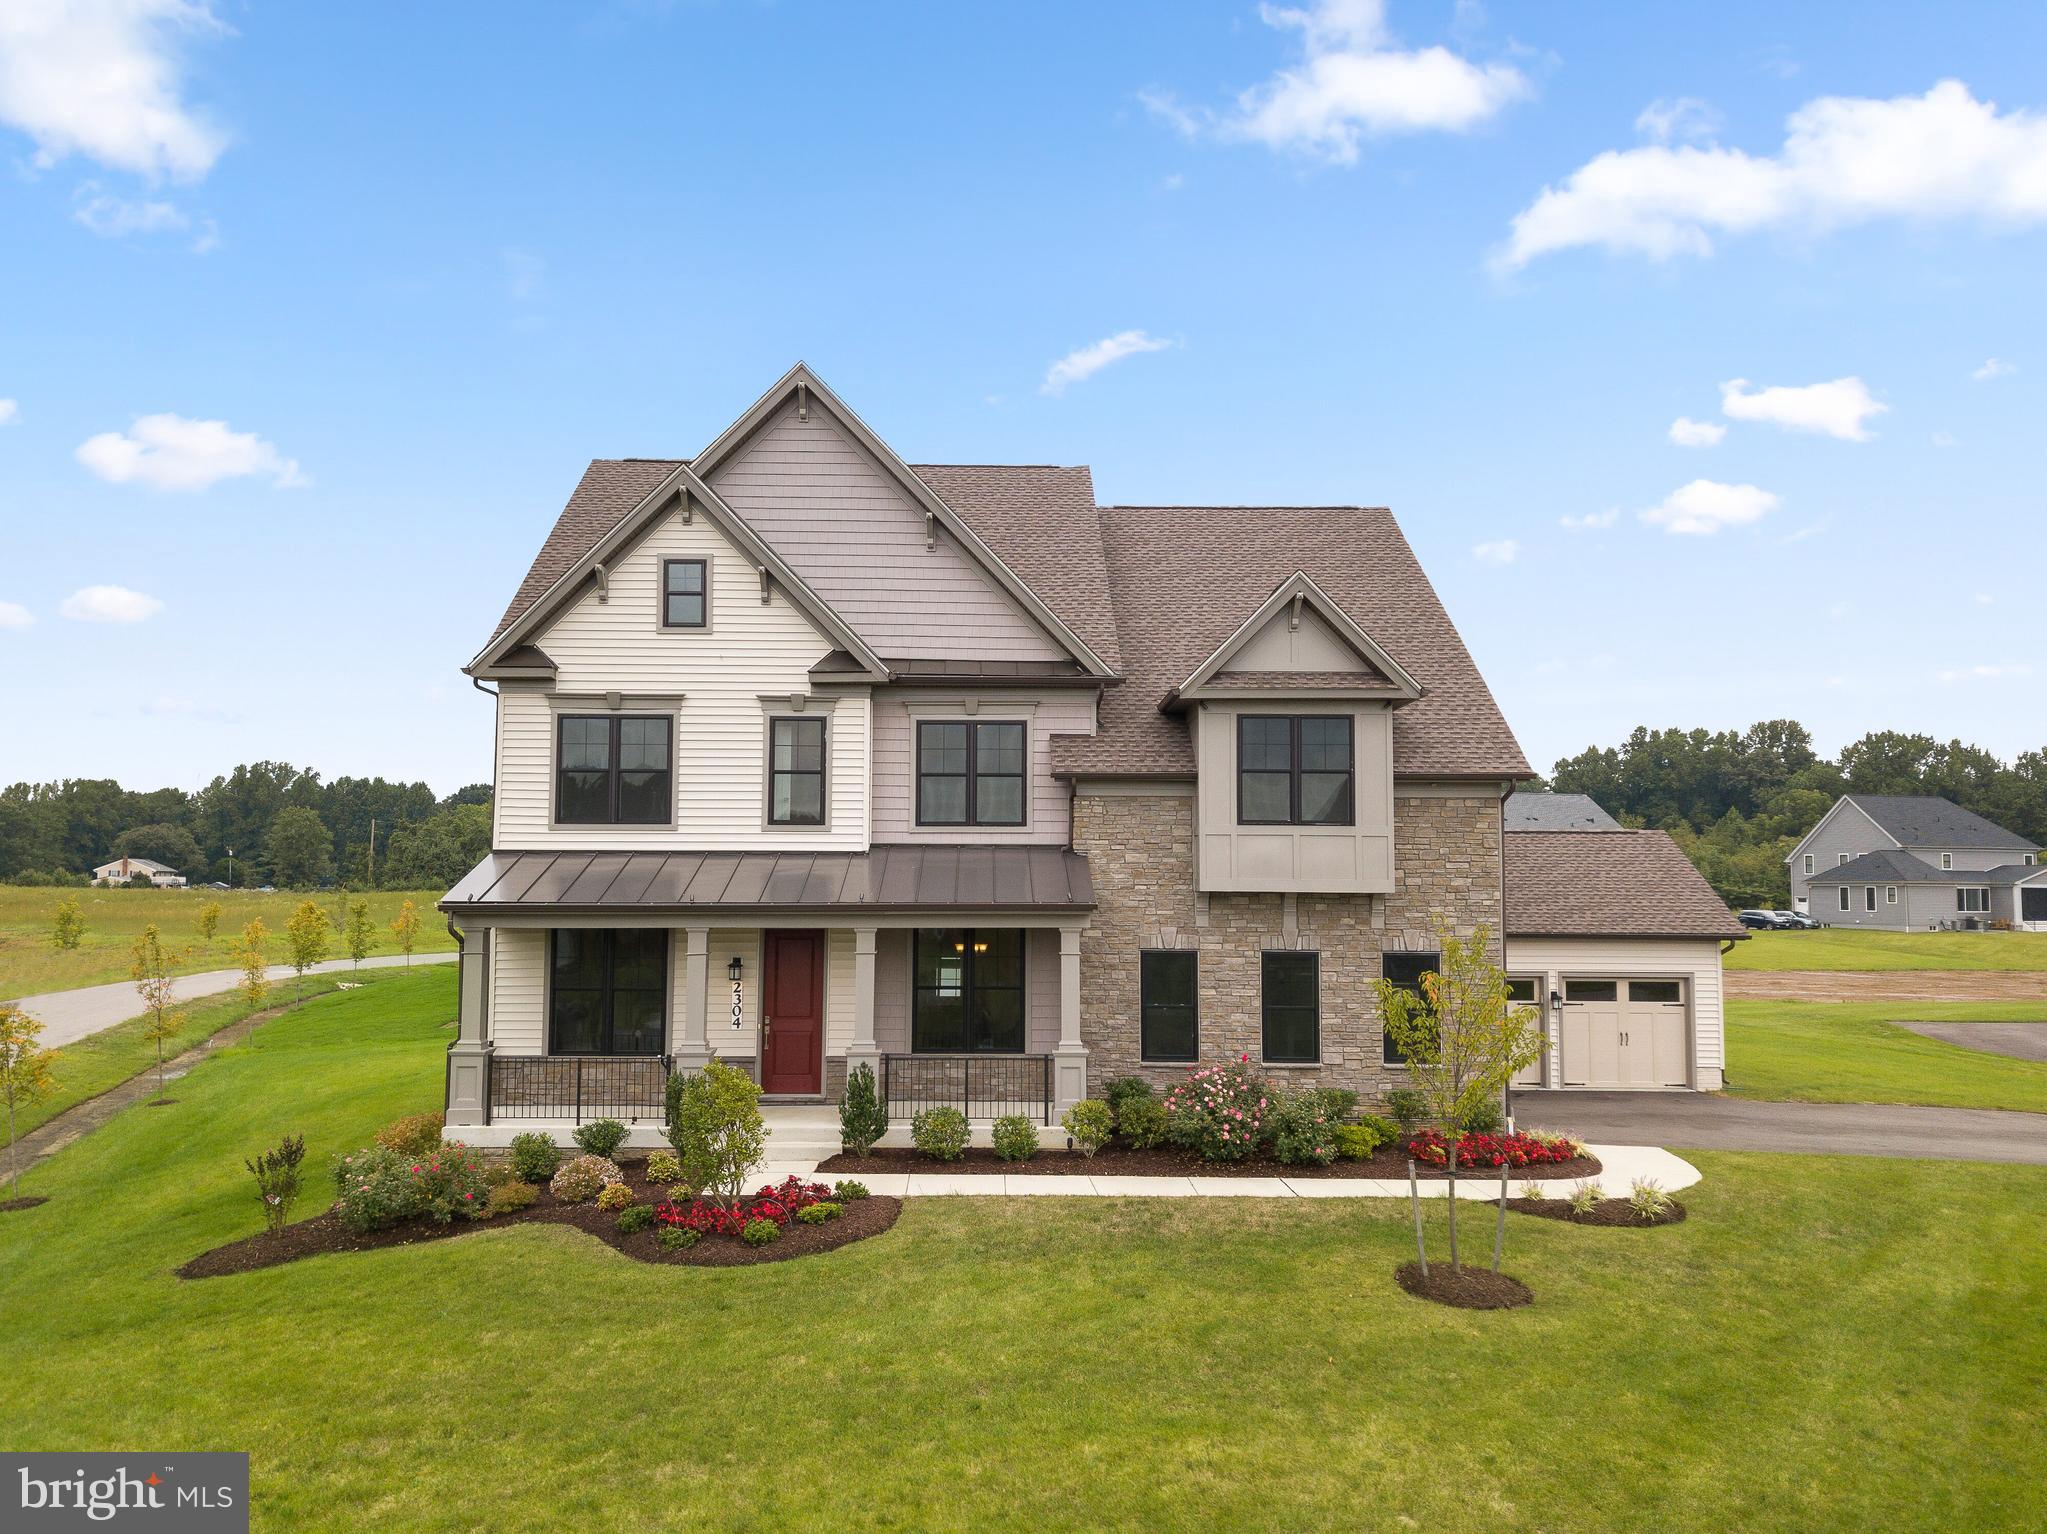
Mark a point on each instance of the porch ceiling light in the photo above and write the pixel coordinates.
(733, 969)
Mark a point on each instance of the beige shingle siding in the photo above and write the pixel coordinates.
(895, 735)
(1608, 884)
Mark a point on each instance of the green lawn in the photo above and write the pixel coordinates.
(30, 964)
(1852, 1052)
(1825, 1344)
(1838, 948)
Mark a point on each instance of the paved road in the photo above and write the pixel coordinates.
(2022, 1041)
(68, 1016)
(1706, 1121)
(1887, 984)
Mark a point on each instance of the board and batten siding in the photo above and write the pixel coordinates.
(751, 648)
(1696, 961)
(847, 526)
(1048, 817)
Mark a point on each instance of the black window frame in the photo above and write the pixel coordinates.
(702, 594)
(612, 771)
(1148, 1007)
(972, 775)
(608, 992)
(824, 745)
(1426, 961)
(1294, 770)
(970, 987)
(1266, 1005)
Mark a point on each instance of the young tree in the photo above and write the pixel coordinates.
(155, 972)
(255, 982)
(305, 935)
(208, 922)
(67, 923)
(359, 933)
(714, 1123)
(405, 927)
(25, 1075)
(1463, 1041)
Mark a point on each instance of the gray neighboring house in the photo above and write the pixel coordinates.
(1914, 862)
(1527, 811)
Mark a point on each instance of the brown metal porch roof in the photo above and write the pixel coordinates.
(889, 877)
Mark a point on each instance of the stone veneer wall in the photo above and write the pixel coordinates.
(1140, 848)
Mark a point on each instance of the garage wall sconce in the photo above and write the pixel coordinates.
(1556, 1002)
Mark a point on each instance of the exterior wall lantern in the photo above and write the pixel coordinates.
(732, 970)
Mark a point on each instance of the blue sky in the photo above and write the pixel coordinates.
(423, 262)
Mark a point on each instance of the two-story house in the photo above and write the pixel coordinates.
(1914, 862)
(808, 758)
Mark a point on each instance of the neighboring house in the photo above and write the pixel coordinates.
(1913, 862)
(1620, 939)
(809, 759)
(121, 870)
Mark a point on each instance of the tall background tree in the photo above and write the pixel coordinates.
(297, 849)
(172, 846)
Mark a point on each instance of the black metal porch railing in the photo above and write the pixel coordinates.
(980, 1086)
(578, 1087)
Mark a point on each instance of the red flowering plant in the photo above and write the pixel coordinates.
(716, 1217)
(1485, 1150)
(381, 1186)
(1219, 1111)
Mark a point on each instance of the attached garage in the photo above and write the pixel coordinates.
(1624, 1033)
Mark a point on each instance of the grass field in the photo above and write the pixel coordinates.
(30, 965)
(1825, 1344)
(1838, 948)
(1852, 1052)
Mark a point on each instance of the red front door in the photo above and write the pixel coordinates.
(792, 1012)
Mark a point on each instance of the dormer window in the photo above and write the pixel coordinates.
(685, 593)
(1294, 770)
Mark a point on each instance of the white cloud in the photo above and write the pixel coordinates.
(1591, 520)
(1352, 83)
(1836, 409)
(1994, 367)
(14, 616)
(1846, 160)
(112, 217)
(171, 452)
(1084, 362)
(1500, 551)
(1705, 506)
(1686, 432)
(10, 412)
(1686, 117)
(109, 604)
(1984, 599)
(1985, 673)
(101, 78)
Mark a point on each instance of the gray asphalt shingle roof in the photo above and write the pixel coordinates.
(1556, 812)
(1922, 820)
(1890, 866)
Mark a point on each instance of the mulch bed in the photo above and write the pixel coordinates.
(1171, 1161)
(1465, 1288)
(1608, 1211)
(8, 1205)
(324, 1233)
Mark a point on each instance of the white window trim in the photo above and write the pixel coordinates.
(1947, 860)
(1963, 908)
(1844, 897)
(1840, 858)
(1890, 894)
(1808, 862)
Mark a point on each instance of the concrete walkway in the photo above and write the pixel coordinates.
(68, 1016)
(1707, 1121)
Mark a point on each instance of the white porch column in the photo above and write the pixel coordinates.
(1069, 1060)
(469, 1056)
(693, 1051)
(863, 1050)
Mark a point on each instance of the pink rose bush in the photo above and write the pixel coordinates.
(382, 1186)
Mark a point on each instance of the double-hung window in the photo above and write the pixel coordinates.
(968, 991)
(685, 593)
(1844, 897)
(1971, 899)
(1291, 997)
(1808, 862)
(607, 991)
(796, 750)
(1168, 1011)
(1869, 897)
(613, 769)
(970, 773)
(1294, 770)
(1404, 970)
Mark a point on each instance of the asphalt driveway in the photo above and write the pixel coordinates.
(2022, 1041)
(1705, 1121)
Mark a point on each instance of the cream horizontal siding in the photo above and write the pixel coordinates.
(751, 648)
(1048, 812)
(850, 530)
(1696, 961)
(518, 991)
(726, 944)
(838, 991)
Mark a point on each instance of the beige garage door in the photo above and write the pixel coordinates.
(1625, 1033)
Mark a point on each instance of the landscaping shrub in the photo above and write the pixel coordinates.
(729, 1217)
(1407, 1107)
(846, 1190)
(1647, 1198)
(415, 1134)
(1338, 1103)
(1219, 1110)
(1302, 1135)
(1584, 1197)
(634, 1218)
(614, 1195)
(1089, 1124)
(714, 1123)
(509, 1197)
(863, 1119)
(1122, 1090)
(534, 1157)
(1356, 1142)
(582, 1178)
(1142, 1122)
(379, 1187)
(1015, 1137)
(601, 1137)
(817, 1214)
(663, 1168)
(1532, 1191)
(1485, 1119)
(940, 1132)
(1385, 1129)
(760, 1232)
(277, 1179)
(1490, 1150)
(674, 1238)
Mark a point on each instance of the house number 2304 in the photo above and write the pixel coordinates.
(737, 1009)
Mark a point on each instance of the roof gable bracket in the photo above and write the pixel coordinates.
(603, 582)
(765, 593)
(930, 531)
(1293, 621)
(1296, 592)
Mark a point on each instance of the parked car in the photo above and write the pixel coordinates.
(1761, 921)
(1797, 921)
